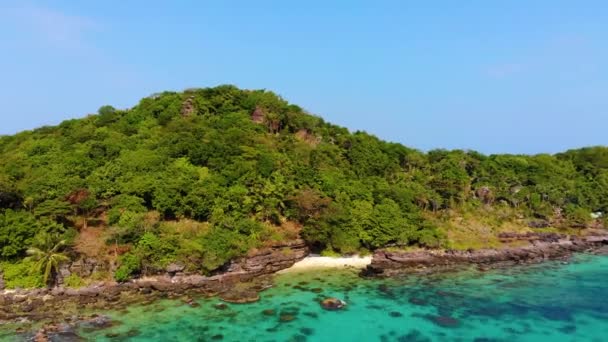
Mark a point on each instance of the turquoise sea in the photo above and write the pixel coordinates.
(552, 302)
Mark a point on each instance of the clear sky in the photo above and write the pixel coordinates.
(497, 76)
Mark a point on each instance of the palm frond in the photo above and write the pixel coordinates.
(61, 258)
(48, 260)
(33, 251)
(58, 246)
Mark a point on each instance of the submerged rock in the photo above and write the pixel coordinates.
(99, 322)
(413, 336)
(268, 312)
(240, 297)
(333, 304)
(444, 321)
(57, 332)
(221, 306)
(311, 314)
(417, 301)
(307, 331)
(286, 317)
(297, 338)
(190, 302)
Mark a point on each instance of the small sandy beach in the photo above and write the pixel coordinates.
(316, 261)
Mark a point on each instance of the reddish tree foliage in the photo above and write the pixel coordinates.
(78, 196)
(310, 203)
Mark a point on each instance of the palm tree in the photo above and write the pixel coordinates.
(48, 258)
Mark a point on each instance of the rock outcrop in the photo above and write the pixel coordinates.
(174, 268)
(258, 116)
(188, 107)
(538, 247)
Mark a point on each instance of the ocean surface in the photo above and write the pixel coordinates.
(553, 301)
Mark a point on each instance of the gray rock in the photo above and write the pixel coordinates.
(86, 267)
(89, 291)
(175, 267)
(57, 291)
(64, 271)
(71, 292)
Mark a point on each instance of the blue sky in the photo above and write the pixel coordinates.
(494, 76)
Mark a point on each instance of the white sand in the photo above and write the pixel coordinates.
(313, 261)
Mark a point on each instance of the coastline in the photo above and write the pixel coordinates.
(240, 282)
(245, 278)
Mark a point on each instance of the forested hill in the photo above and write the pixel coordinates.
(205, 175)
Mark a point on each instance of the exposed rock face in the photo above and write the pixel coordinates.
(306, 136)
(265, 261)
(269, 260)
(188, 107)
(84, 267)
(485, 195)
(175, 267)
(540, 247)
(258, 115)
(1, 281)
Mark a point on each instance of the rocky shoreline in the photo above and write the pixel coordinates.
(240, 282)
(60, 310)
(531, 248)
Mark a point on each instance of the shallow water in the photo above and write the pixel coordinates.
(547, 302)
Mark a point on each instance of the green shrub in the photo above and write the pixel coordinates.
(157, 251)
(330, 253)
(129, 265)
(123, 204)
(100, 276)
(577, 216)
(219, 246)
(17, 228)
(20, 275)
(345, 241)
(74, 281)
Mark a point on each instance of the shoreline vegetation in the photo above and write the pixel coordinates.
(247, 277)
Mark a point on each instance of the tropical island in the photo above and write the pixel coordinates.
(208, 188)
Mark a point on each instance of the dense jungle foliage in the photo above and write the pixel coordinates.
(203, 176)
